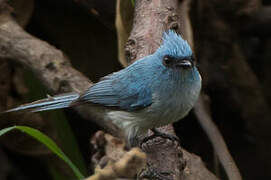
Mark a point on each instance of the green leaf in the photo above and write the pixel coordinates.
(67, 139)
(65, 136)
(3, 131)
(36, 134)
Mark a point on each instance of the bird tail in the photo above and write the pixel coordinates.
(50, 103)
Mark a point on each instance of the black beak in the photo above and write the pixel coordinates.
(184, 63)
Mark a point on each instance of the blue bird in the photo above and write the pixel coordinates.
(154, 91)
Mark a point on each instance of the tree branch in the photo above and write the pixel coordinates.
(49, 64)
(57, 74)
(109, 149)
(151, 19)
(217, 140)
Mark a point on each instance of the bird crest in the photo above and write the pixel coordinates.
(174, 45)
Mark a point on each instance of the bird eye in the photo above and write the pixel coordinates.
(167, 60)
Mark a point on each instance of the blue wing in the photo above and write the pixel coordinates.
(126, 89)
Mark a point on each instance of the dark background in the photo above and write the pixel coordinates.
(233, 53)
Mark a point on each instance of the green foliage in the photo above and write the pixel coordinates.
(36, 134)
(67, 139)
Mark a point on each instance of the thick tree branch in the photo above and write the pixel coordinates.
(109, 149)
(56, 73)
(151, 19)
(195, 168)
(49, 64)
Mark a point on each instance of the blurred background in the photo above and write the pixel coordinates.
(232, 44)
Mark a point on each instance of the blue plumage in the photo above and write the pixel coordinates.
(174, 45)
(50, 103)
(125, 89)
(154, 91)
(128, 89)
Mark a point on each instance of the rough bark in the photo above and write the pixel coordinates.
(109, 149)
(49, 64)
(151, 19)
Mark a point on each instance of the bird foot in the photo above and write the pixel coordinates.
(157, 133)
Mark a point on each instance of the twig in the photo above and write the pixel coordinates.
(217, 140)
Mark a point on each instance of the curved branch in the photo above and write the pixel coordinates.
(217, 140)
(49, 64)
(56, 73)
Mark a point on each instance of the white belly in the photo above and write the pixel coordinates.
(164, 110)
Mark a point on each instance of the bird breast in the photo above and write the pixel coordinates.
(171, 101)
(173, 104)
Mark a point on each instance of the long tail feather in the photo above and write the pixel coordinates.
(50, 103)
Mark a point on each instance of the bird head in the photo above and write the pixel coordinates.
(175, 52)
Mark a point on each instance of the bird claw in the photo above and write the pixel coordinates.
(157, 133)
